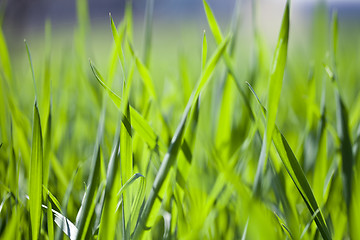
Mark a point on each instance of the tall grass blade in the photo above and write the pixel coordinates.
(203, 52)
(148, 31)
(31, 66)
(109, 217)
(275, 85)
(296, 173)
(215, 29)
(140, 125)
(177, 139)
(85, 213)
(50, 221)
(35, 173)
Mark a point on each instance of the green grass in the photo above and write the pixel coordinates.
(131, 144)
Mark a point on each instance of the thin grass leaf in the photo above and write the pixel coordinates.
(4, 57)
(145, 76)
(47, 150)
(52, 198)
(274, 91)
(296, 173)
(139, 124)
(109, 217)
(31, 66)
(35, 173)
(342, 125)
(126, 160)
(118, 38)
(212, 23)
(85, 213)
(64, 224)
(177, 139)
(50, 221)
(148, 31)
(218, 38)
(203, 52)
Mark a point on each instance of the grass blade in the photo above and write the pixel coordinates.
(177, 139)
(109, 217)
(36, 172)
(218, 38)
(50, 221)
(275, 85)
(139, 124)
(31, 66)
(203, 52)
(85, 213)
(296, 173)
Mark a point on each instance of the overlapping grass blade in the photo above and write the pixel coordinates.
(203, 52)
(139, 124)
(85, 214)
(50, 221)
(35, 173)
(4, 57)
(31, 66)
(148, 31)
(109, 218)
(274, 91)
(146, 77)
(64, 224)
(215, 29)
(47, 149)
(126, 162)
(177, 139)
(296, 173)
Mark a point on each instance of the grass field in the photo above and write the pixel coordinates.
(220, 139)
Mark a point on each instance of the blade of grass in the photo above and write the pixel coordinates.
(177, 139)
(296, 173)
(139, 123)
(148, 31)
(35, 175)
(218, 38)
(109, 218)
(64, 224)
(126, 161)
(84, 212)
(274, 91)
(31, 66)
(50, 221)
(203, 52)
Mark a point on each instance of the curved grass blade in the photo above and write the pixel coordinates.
(274, 91)
(50, 221)
(36, 172)
(126, 160)
(31, 66)
(146, 77)
(85, 213)
(140, 125)
(203, 52)
(109, 218)
(129, 183)
(177, 139)
(64, 224)
(215, 29)
(47, 149)
(148, 31)
(296, 173)
(118, 38)
(89, 196)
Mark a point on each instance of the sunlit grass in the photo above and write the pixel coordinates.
(101, 148)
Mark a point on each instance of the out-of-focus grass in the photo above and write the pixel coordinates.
(157, 137)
